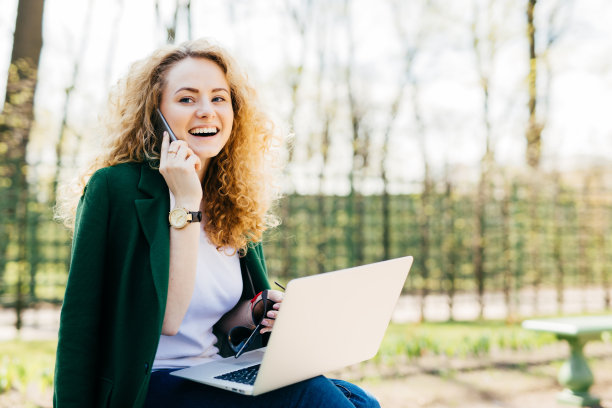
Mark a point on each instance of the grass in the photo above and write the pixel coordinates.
(24, 363)
(458, 339)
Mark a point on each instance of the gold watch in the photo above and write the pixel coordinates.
(180, 217)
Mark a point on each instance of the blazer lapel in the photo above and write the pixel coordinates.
(153, 217)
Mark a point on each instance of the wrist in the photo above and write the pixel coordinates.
(188, 204)
(252, 302)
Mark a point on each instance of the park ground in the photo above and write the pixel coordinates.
(523, 378)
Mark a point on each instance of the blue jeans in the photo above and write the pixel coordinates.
(166, 390)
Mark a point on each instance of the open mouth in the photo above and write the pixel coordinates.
(204, 131)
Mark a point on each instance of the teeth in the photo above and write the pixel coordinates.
(204, 131)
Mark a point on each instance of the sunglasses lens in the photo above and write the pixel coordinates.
(237, 336)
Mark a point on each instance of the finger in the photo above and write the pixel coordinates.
(198, 163)
(164, 149)
(275, 295)
(194, 161)
(272, 314)
(188, 152)
(266, 327)
(182, 152)
(276, 306)
(175, 146)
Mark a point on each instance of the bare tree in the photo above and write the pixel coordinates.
(78, 58)
(555, 28)
(326, 106)
(585, 234)
(171, 27)
(484, 51)
(539, 107)
(452, 242)
(506, 247)
(360, 144)
(15, 124)
(557, 254)
(112, 44)
(300, 16)
(534, 128)
(412, 38)
(412, 41)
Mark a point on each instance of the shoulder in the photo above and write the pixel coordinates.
(120, 178)
(118, 172)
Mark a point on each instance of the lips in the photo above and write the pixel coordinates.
(205, 131)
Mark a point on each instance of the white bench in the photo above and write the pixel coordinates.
(575, 374)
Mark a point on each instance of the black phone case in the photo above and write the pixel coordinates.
(163, 125)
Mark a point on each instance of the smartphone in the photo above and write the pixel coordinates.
(166, 126)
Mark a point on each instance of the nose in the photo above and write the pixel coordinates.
(205, 109)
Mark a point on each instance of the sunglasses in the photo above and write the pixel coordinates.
(240, 337)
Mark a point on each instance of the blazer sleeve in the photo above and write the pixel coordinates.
(257, 272)
(76, 374)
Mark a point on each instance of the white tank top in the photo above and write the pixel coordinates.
(218, 287)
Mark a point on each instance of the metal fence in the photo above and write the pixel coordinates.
(547, 235)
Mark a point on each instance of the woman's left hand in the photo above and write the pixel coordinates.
(268, 320)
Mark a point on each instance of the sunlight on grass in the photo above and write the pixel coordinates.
(26, 362)
(458, 339)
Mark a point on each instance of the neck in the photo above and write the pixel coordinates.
(202, 171)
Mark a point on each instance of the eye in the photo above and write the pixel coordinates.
(218, 99)
(186, 99)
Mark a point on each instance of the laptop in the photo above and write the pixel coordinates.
(326, 322)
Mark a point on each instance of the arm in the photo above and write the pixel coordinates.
(180, 172)
(79, 334)
(181, 282)
(241, 314)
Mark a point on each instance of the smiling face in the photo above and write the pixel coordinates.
(197, 104)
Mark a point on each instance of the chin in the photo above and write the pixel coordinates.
(207, 154)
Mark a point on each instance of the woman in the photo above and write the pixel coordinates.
(142, 295)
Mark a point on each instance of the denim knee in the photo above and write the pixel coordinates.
(359, 397)
(320, 392)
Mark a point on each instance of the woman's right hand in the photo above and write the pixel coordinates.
(179, 166)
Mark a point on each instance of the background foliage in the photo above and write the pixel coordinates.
(442, 131)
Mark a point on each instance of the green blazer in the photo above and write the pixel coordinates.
(115, 298)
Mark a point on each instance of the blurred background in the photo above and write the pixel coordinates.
(474, 135)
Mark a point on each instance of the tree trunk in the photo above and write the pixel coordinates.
(359, 144)
(558, 243)
(534, 129)
(486, 162)
(15, 123)
(507, 253)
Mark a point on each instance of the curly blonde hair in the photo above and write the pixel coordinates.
(238, 187)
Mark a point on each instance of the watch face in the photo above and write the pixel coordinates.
(178, 218)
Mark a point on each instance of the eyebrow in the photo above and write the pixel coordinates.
(194, 90)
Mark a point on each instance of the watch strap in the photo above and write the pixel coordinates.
(196, 216)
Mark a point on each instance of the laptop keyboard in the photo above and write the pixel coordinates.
(243, 376)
